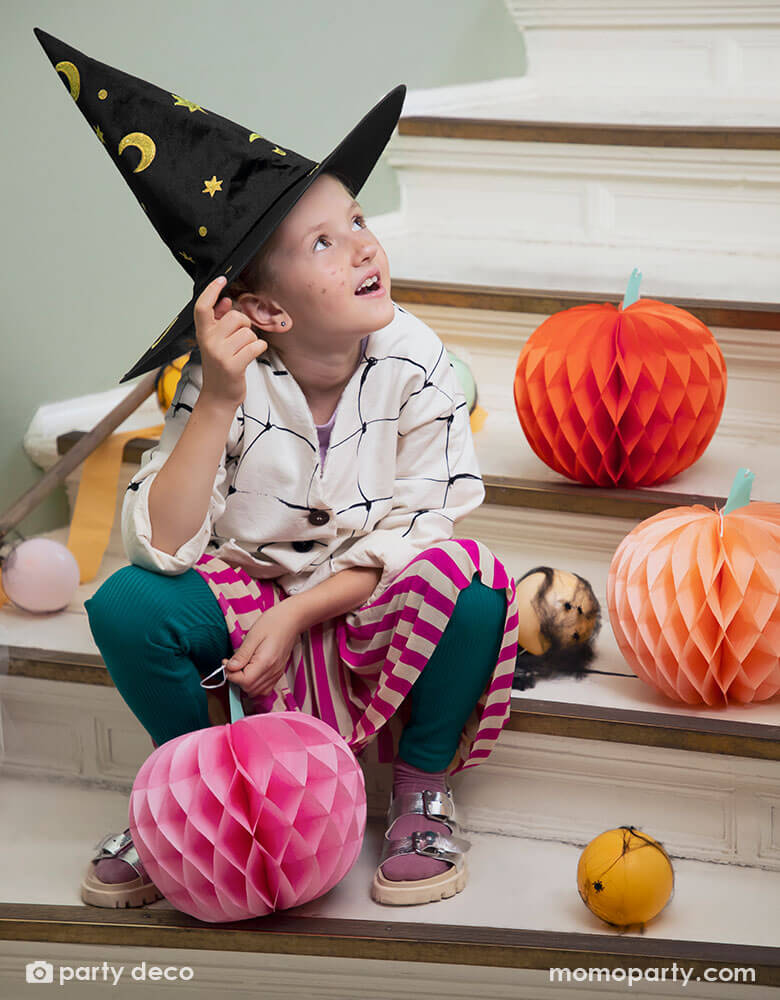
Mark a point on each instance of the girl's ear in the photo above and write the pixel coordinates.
(265, 313)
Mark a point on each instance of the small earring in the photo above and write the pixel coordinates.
(283, 323)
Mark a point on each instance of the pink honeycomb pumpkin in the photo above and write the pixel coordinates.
(239, 820)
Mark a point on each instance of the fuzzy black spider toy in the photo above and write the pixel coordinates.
(559, 617)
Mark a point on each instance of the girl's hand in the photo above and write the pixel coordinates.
(260, 660)
(227, 345)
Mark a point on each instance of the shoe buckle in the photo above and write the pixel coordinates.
(432, 844)
(424, 842)
(433, 805)
(112, 845)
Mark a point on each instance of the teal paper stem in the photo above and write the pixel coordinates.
(739, 495)
(632, 288)
(236, 708)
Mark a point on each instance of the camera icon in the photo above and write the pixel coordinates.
(39, 972)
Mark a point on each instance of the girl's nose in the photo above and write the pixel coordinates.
(366, 246)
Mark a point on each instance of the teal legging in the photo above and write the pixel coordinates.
(160, 635)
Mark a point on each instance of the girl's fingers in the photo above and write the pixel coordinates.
(222, 307)
(204, 305)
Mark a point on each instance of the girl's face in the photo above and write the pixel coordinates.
(322, 252)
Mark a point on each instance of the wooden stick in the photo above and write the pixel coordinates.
(57, 473)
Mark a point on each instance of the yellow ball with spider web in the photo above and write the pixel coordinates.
(625, 877)
(168, 380)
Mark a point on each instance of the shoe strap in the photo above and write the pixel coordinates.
(434, 805)
(119, 845)
(428, 843)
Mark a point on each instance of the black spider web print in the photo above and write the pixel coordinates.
(262, 430)
(370, 364)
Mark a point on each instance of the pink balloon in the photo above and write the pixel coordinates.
(239, 820)
(40, 575)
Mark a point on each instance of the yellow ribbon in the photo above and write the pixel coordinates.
(93, 512)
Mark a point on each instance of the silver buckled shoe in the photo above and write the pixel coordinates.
(135, 892)
(433, 805)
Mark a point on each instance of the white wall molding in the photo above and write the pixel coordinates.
(705, 49)
(660, 13)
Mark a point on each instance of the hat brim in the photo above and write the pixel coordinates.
(353, 159)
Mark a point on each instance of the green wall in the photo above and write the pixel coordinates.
(87, 284)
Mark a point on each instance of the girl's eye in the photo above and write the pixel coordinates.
(324, 239)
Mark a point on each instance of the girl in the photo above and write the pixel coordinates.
(327, 570)
(294, 527)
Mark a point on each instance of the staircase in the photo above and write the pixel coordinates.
(640, 137)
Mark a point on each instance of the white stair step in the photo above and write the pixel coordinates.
(529, 99)
(522, 892)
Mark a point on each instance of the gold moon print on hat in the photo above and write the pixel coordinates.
(202, 231)
(254, 135)
(144, 144)
(281, 152)
(190, 105)
(73, 77)
(102, 94)
(99, 134)
(212, 186)
(164, 331)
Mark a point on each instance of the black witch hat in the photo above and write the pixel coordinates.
(213, 190)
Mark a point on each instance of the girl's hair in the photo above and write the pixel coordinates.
(568, 654)
(259, 275)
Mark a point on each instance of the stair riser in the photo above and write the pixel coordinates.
(597, 48)
(520, 536)
(575, 194)
(701, 806)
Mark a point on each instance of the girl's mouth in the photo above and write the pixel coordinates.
(372, 290)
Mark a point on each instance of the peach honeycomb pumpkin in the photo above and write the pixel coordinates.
(622, 396)
(694, 600)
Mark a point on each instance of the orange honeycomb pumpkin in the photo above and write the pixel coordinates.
(620, 396)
